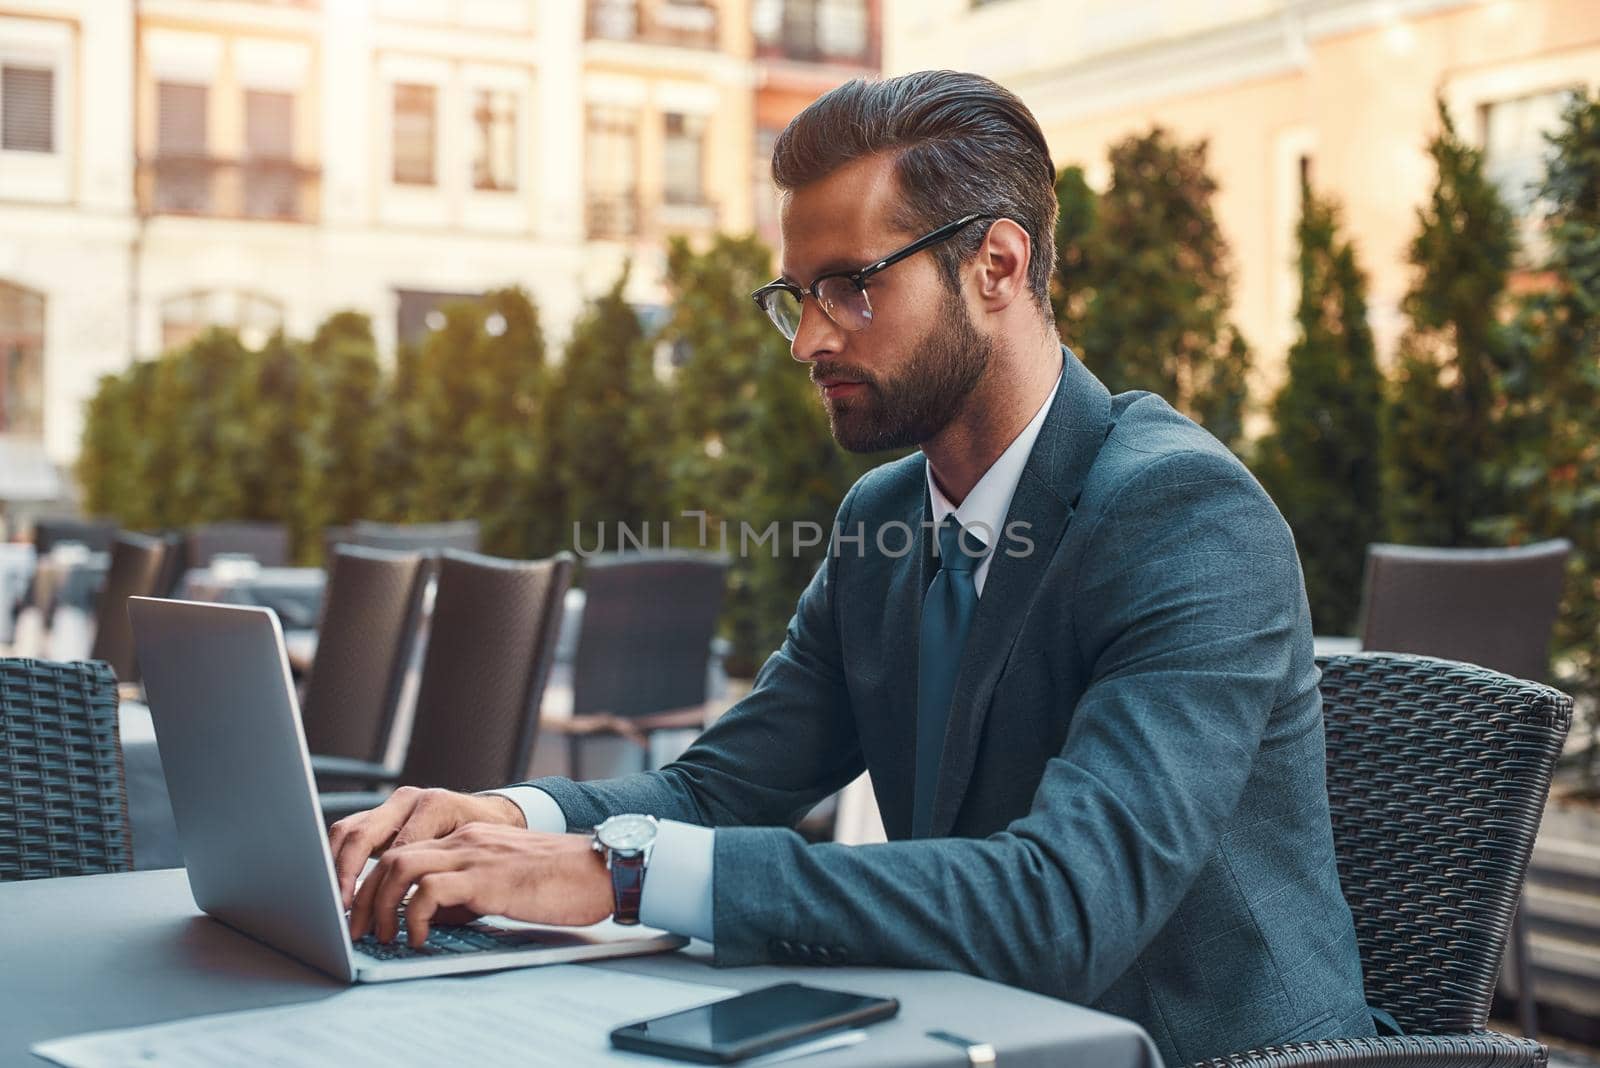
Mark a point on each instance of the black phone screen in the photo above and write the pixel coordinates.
(753, 1022)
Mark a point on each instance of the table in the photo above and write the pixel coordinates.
(16, 571)
(72, 581)
(104, 951)
(295, 593)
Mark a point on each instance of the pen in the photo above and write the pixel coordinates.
(977, 1052)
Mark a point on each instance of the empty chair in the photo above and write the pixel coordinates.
(136, 571)
(370, 615)
(643, 644)
(63, 805)
(461, 534)
(1492, 607)
(266, 543)
(95, 534)
(490, 644)
(1437, 777)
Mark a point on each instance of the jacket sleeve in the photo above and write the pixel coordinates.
(785, 746)
(1188, 601)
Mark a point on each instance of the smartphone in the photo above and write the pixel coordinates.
(756, 1021)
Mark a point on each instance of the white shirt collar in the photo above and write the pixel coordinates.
(984, 509)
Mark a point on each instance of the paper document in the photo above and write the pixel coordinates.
(556, 1015)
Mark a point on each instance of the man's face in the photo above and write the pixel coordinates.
(904, 377)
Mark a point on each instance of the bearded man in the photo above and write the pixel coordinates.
(1086, 694)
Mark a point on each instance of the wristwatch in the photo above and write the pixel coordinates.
(626, 841)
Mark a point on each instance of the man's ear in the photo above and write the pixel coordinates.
(1001, 265)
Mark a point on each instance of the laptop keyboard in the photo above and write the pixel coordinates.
(442, 940)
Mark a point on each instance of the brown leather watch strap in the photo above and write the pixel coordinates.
(627, 885)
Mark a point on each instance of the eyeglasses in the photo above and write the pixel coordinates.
(842, 295)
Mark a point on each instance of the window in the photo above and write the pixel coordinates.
(27, 109)
(271, 180)
(683, 159)
(842, 27)
(21, 361)
(612, 151)
(766, 193)
(185, 317)
(183, 169)
(1514, 150)
(414, 134)
(494, 153)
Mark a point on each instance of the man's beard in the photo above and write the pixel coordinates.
(920, 400)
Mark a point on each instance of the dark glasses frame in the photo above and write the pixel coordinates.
(859, 277)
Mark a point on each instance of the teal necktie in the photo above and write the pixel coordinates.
(947, 611)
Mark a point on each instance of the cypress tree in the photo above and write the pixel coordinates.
(1155, 314)
(1441, 433)
(1321, 461)
(1551, 463)
(751, 439)
(606, 424)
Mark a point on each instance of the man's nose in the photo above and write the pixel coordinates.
(817, 336)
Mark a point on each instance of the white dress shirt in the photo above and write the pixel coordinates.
(677, 886)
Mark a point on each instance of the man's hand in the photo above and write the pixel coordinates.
(409, 815)
(485, 869)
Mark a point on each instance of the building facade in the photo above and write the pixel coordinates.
(168, 165)
(1341, 89)
(803, 48)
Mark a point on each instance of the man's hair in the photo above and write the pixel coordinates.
(962, 145)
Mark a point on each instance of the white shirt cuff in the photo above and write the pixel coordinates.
(677, 885)
(539, 809)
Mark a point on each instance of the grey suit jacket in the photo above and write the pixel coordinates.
(1131, 811)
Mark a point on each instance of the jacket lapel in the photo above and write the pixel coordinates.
(1073, 431)
(902, 614)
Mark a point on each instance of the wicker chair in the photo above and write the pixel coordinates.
(63, 804)
(490, 645)
(645, 637)
(94, 534)
(136, 571)
(1437, 777)
(1490, 607)
(370, 617)
(266, 543)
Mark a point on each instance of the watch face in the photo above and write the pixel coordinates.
(628, 832)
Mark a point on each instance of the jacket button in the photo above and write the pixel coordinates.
(785, 947)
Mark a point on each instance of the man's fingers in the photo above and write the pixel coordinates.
(430, 815)
(438, 894)
(355, 839)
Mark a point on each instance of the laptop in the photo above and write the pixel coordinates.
(227, 725)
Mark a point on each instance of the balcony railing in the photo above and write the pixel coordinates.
(621, 217)
(683, 25)
(802, 36)
(225, 188)
(612, 217)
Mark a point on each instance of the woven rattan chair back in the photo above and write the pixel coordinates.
(136, 571)
(1437, 778)
(648, 621)
(63, 804)
(369, 627)
(491, 641)
(1491, 607)
(95, 534)
(267, 543)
